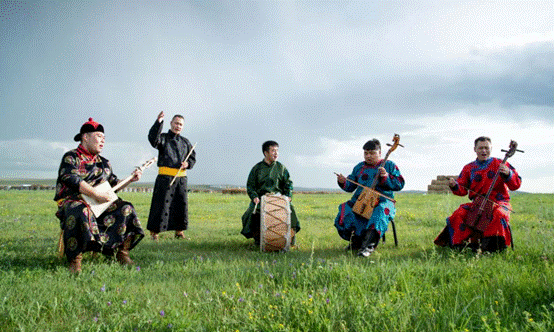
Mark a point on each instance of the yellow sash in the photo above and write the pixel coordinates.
(172, 171)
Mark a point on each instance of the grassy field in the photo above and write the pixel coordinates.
(215, 280)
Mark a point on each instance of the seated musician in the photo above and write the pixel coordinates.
(118, 229)
(476, 179)
(363, 233)
(267, 176)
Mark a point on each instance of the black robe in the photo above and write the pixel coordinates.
(81, 230)
(169, 208)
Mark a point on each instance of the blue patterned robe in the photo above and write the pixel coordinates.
(347, 221)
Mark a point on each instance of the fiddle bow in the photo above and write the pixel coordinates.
(480, 215)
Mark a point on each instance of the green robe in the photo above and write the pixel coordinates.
(265, 179)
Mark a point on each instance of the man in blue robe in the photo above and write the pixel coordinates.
(362, 233)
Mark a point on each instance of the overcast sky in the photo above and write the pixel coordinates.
(319, 77)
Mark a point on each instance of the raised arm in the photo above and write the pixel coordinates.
(154, 135)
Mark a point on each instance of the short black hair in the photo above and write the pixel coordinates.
(268, 144)
(177, 116)
(482, 139)
(372, 144)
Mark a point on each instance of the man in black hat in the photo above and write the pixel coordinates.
(118, 229)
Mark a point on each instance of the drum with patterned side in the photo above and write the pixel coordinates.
(275, 230)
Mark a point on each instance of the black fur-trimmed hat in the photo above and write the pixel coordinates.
(89, 127)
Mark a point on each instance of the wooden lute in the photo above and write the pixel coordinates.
(98, 208)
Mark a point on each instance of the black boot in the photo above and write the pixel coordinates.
(355, 243)
(492, 244)
(370, 240)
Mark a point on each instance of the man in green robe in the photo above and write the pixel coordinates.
(267, 176)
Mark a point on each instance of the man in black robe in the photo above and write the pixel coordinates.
(169, 208)
(118, 229)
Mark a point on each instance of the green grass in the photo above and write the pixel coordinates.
(215, 280)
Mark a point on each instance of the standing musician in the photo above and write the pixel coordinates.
(476, 179)
(267, 176)
(118, 229)
(364, 233)
(169, 208)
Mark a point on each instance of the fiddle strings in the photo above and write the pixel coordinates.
(361, 185)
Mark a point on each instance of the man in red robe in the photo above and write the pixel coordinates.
(475, 179)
